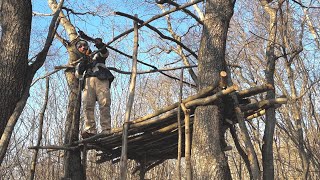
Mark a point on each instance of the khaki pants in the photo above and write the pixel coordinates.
(96, 90)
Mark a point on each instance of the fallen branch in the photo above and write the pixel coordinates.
(210, 99)
(262, 104)
(257, 114)
(254, 90)
(251, 112)
(202, 93)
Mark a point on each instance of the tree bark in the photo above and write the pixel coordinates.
(73, 168)
(14, 46)
(208, 158)
(267, 147)
(16, 75)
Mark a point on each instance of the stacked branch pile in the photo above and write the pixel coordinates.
(153, 138)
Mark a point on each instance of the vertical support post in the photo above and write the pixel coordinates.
(179, 127)
(124, 158)
(187, 149)
(143, 164)
(254, 170)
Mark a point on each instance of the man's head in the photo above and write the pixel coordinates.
(82, 46)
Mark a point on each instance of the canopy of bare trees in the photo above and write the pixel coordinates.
(211, 89)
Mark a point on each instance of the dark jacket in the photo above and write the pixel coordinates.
(95, 67)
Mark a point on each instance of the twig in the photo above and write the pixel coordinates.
(304, 6)
(45, 76)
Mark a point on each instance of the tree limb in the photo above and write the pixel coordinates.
(158, 32)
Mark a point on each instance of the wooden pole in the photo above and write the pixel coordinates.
(252, 156)
(179, 127)
(187, 149)
(202, 93)
(255, 90)
(124, 158)
(143, 163)
(264, 103)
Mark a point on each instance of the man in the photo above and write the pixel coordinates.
(97, 79)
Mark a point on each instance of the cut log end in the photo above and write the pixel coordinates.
(223, 79)
(235, 87)
(223, 74)
(270, 86)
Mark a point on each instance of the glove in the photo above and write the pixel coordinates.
(98, 43)
(81, 33)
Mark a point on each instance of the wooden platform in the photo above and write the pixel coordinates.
(151, 142)
(154, 137)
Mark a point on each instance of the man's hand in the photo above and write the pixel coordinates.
(98, 43)
(81, 33)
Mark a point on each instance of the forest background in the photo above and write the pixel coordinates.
(296, 137)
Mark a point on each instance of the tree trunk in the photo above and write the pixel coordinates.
(208, 158)
(72, 159)
(15, 73)
(73, 168)
(14, 46)
(267, 147)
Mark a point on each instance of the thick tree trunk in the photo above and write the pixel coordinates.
(16, 75)
(208, 158)
(14, 46)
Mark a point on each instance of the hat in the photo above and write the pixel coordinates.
(82, 43)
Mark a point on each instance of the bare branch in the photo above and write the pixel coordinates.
(129, 56)
(263, 103)
(124, 72)
(158, 32)
(155, 18)
(42, 77)
(304, 6)
(77, 13)
(186, 11)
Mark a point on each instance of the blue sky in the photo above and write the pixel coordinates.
(105, 25)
